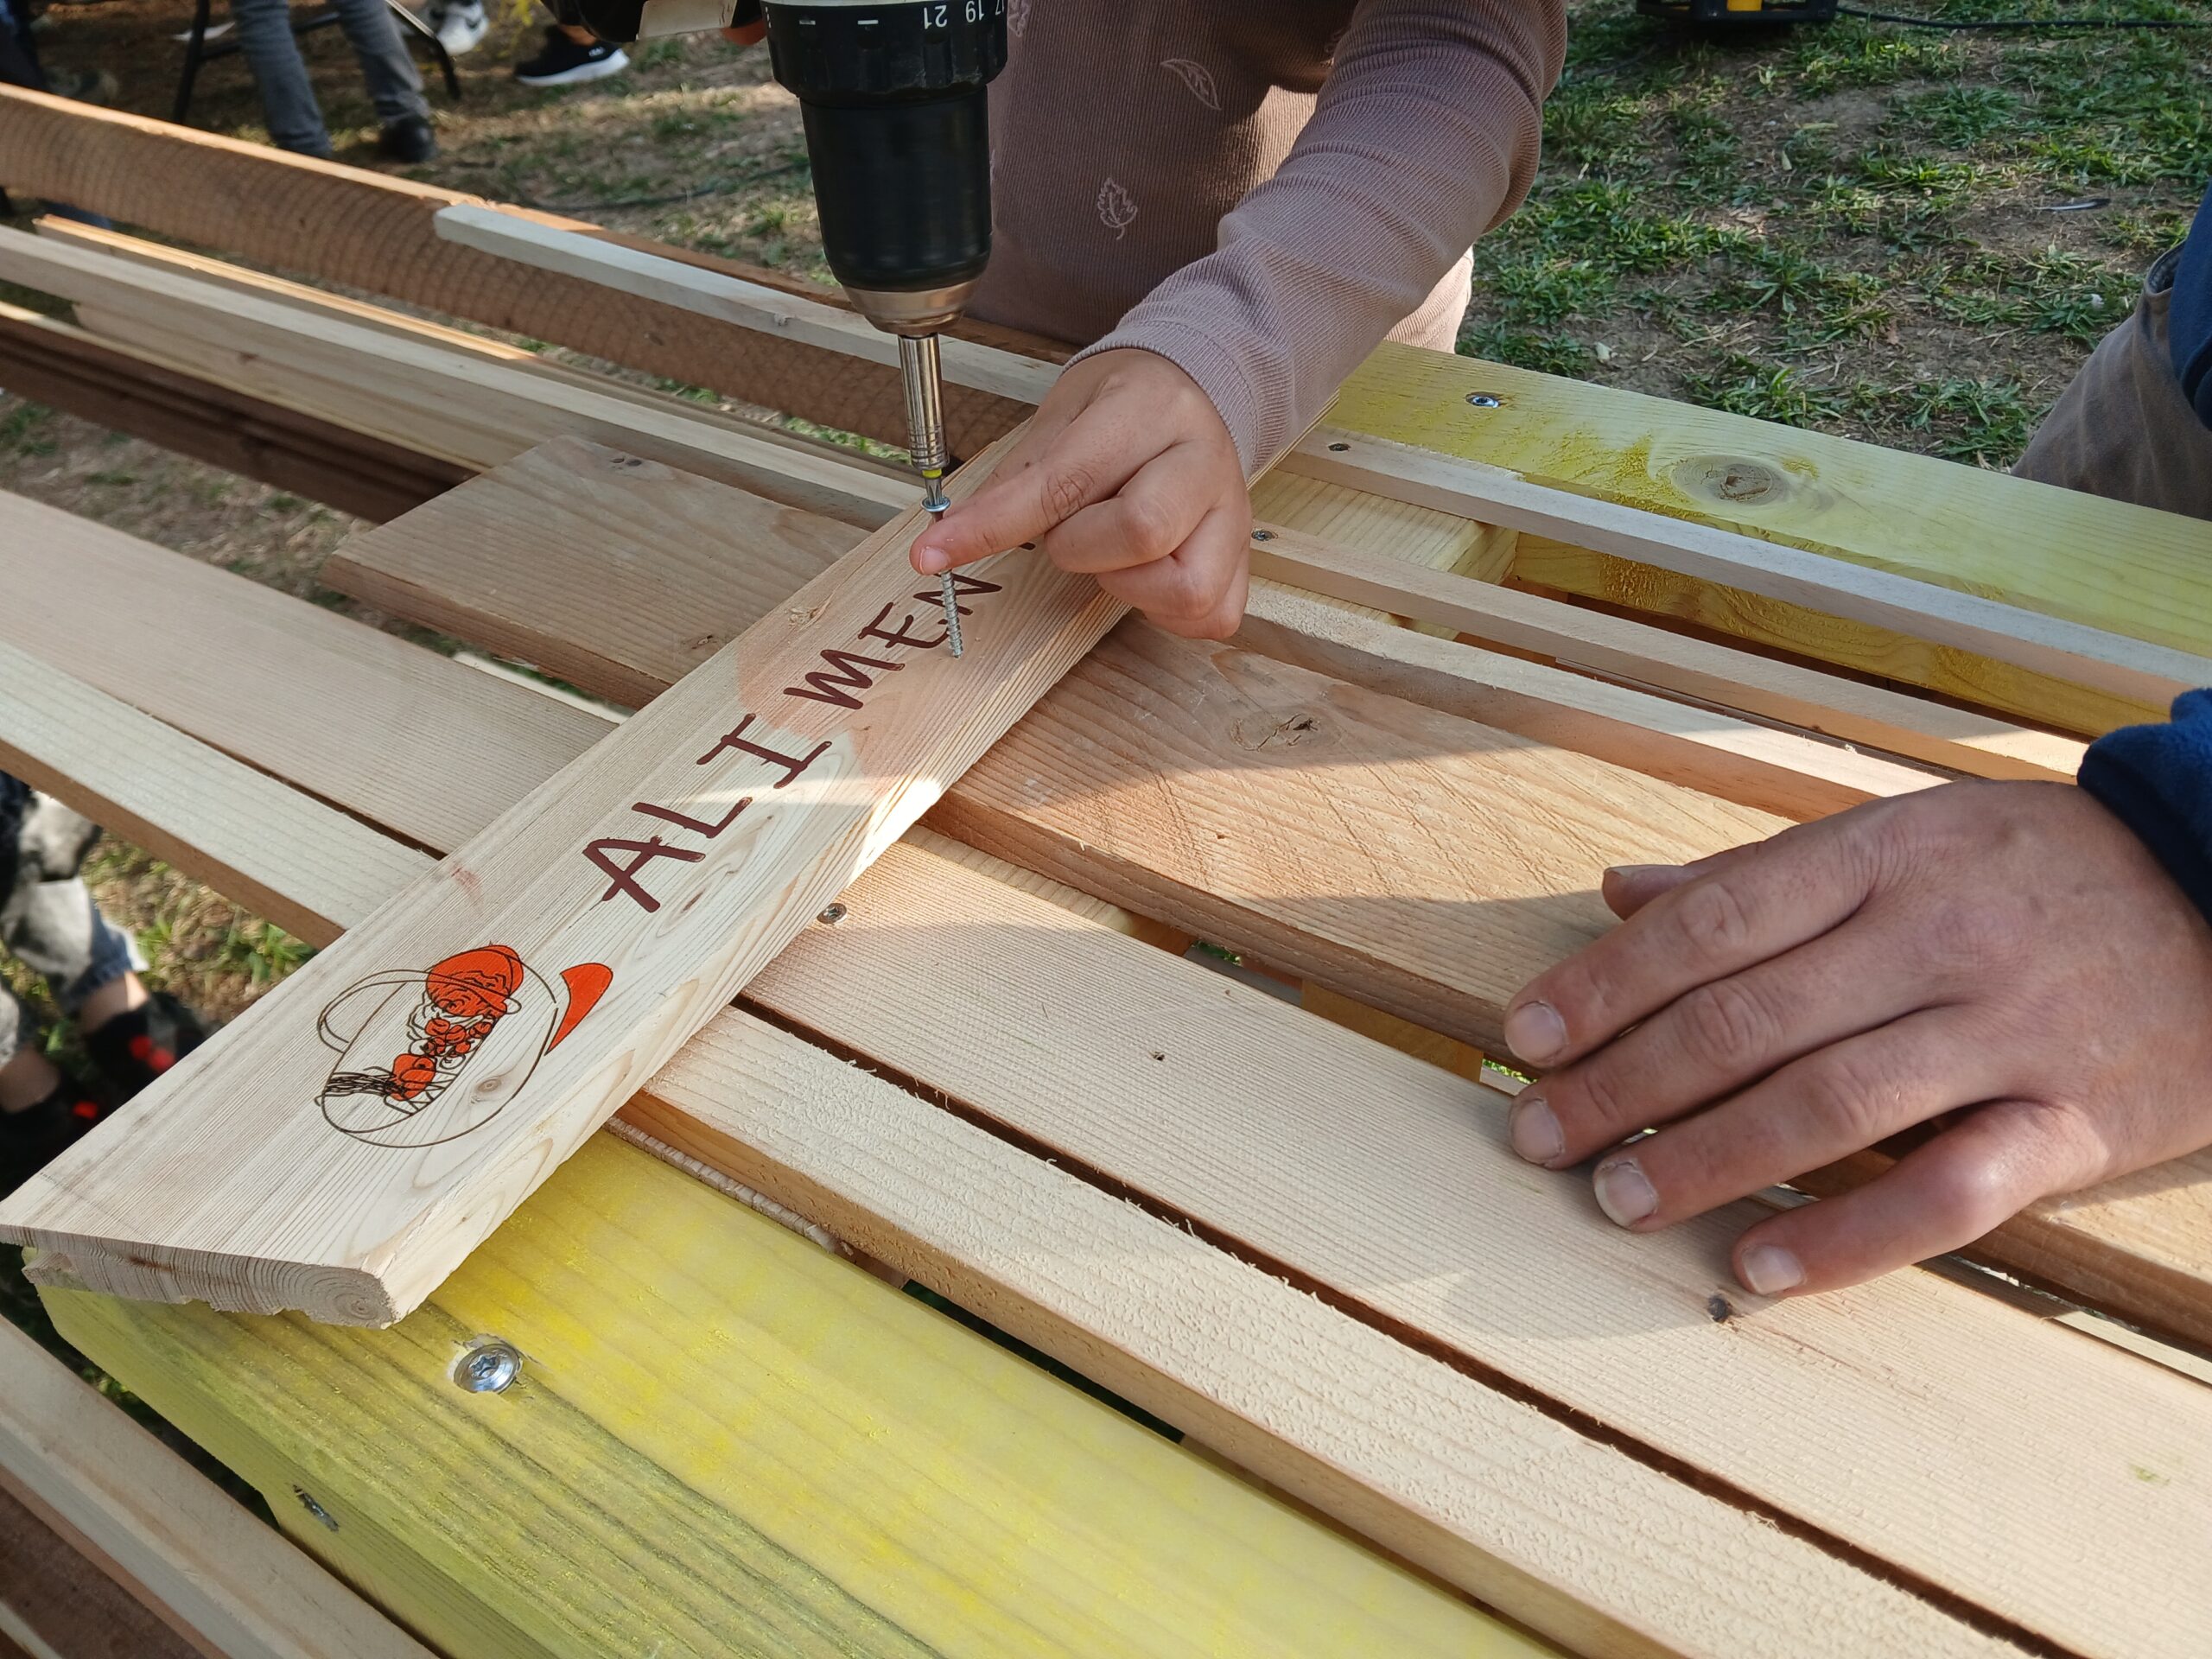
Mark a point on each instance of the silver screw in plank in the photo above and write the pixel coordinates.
(491, 1367)
(1484, 400)
(831, 914)
(1263, 534)
(307, 1503)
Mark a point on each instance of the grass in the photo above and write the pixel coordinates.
(1849, 227)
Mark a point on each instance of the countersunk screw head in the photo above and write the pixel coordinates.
(490, 1367)
(1484, 400)
(307, 1503)
(1338, 448)
(831, 914)
(1263, 534)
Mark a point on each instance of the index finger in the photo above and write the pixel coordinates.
(1768, 899)
(1086, 462)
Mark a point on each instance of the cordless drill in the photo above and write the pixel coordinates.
(893, 99)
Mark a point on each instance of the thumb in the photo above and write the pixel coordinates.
(1038, 488)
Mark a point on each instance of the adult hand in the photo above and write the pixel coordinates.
(2009, 955)
(1125, 473)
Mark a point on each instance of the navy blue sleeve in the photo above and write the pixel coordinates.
(2188, 317)
(2157, 780)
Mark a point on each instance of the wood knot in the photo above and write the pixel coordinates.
(1736, 480)
(1261, 731)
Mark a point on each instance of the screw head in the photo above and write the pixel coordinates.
(1484, 400)
(1338, 448)
(1263, 534)
(831, 914)
(491, 1367)
(307, 1503)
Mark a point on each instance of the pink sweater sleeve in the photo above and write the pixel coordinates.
(1423, 137)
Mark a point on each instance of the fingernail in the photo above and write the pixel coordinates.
(929, 560)
(1534, 1032)
(1631, 872)
(1623, 1193)
(1768, 1270)
(1534, 1130)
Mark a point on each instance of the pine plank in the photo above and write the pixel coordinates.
(725, 1441)
(184, 1549)
(53, 1598)
(1567, 1534)
(1783, 773)
(261, 1174)
(1910, 726)
(2106, 564)
(376, 233)
(446, 400)
(1911, 1418)
(2120, 665)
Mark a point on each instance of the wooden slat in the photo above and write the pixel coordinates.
(68, 369)
(616, 871)
(2106, 564)
(375, 232)
(2120, 665)
(54, 1599)
(1910, 726)
(747, 1448)
(1568, 1533)
(208, 1568)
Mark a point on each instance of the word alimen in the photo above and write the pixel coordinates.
(342, 1147)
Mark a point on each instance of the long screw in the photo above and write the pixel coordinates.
(919, 368)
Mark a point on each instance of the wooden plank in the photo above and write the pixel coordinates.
(747, 1447)
(1957, 739)
(1206, 787)
(376, 233)
(54, 1600)
(65, 368)
(451, 402)
(1784, 772)
(534, 585)
(2121, 665)
(259, 1174)
(76, 590)
(1570, 1534)
(2107, 564)
(530, 240)
(184, 1549)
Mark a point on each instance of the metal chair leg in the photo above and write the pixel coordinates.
(194, 53)
(406, 15)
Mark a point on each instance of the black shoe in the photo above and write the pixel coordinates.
(564, 63)
(133, 1049)
(408, 139)
(31, 1139)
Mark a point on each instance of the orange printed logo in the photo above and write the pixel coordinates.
(426, 1056)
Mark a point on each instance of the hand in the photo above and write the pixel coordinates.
(1127, 473)
(2007, 957)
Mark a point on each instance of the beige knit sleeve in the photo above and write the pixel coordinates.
(1425, 135)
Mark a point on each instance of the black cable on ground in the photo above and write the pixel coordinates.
(2017, 22)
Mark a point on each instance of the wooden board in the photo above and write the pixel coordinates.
(2122, 568)
(211, 1570)
(373, 231)
(269, 1172)
(746, 1448)
(1954, 738)
(2119, 664)
(66, 369)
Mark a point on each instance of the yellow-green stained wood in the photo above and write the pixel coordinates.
(2106, 563)
(726, 1441)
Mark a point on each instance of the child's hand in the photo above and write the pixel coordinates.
(1126, 473)
(2008, 953)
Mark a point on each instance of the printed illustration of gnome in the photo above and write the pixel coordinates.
(443, 1049)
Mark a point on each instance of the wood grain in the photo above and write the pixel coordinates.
(184, 1549)
(261, 1174)
(376, 233)
(2121, 665)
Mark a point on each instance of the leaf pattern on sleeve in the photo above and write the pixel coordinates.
(1117, 209)
(1197, 78)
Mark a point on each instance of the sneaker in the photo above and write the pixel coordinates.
(133, 1049)
(460, 25)
(564, 63)
(408, 139)
(31, 1139)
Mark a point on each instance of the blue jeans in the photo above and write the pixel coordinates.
(47, 919)
(288, 100)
